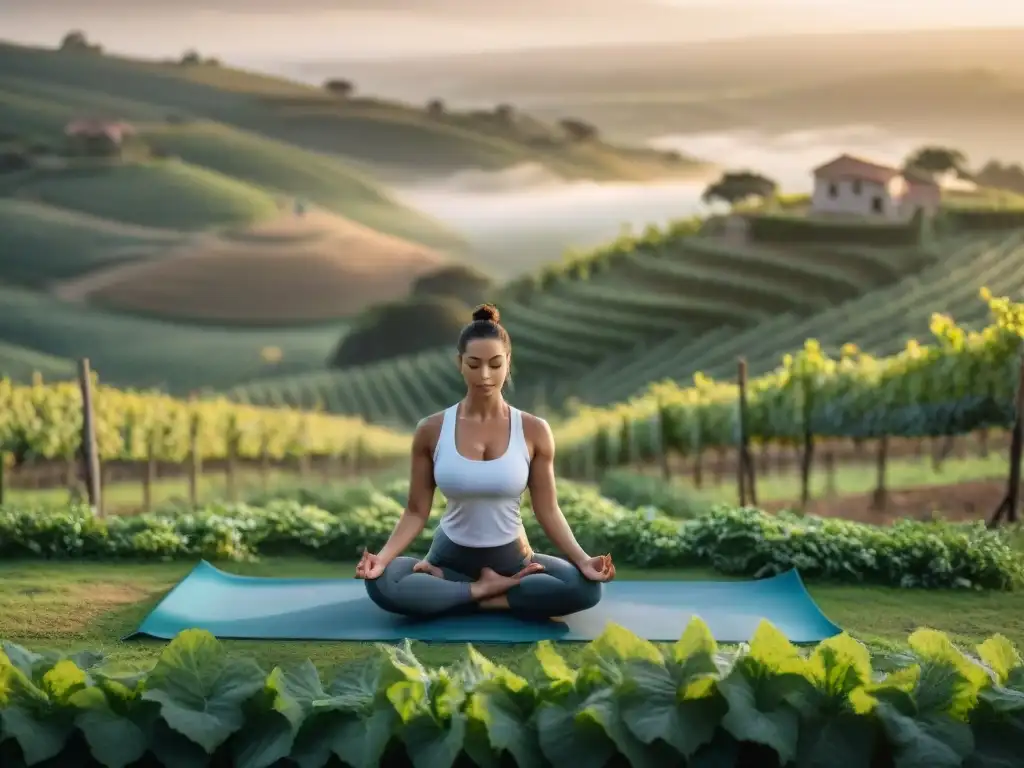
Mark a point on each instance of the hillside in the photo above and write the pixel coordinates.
(659, 290)
(40, 90)
(135, 352)
(315, 268)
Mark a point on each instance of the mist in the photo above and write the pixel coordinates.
(518, 219)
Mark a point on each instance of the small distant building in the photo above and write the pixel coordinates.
(851, 186)
(97, 138)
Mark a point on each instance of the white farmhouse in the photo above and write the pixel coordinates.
(850, 186)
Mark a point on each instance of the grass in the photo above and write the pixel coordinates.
(125, 497)
(135, 352)
(21, 364)
(290, 170)
(165, 194)
(75, 605)
(43, 244)
(858, 479)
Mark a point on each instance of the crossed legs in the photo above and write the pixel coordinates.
(543, 587)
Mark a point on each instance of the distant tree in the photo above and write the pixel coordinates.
(342, 88)
(75, 40)
(737, 186)
(459, 281)
(995, 174)
(505, 113)
(401, 328)
(435, 107)
(578, 130)
(933, 159)
(191, 57)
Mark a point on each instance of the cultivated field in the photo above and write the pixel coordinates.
(669, 305)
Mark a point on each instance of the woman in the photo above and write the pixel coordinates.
(483, 454)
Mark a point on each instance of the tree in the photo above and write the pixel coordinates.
(736, 186)
(578, 130)
(934, 159)
(191, 56)
(342, 88)
(402, 328)
(459, 281)
(435, 107)
(505, 113)
(75, 40)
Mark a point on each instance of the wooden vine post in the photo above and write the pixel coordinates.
(89, 452)
(1009, 507)
(745, 462)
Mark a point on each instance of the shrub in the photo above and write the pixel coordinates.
(741, 542)
(628, 702)
(458, 281)
(404, 327)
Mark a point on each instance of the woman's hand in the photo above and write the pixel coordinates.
(370, 566)
(600, 568)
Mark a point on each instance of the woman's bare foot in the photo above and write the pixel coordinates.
(428, 568)
(492, 584)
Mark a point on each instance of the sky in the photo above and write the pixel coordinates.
(266, 30)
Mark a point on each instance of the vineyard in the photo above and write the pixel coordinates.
(45, 422)
(637, 300)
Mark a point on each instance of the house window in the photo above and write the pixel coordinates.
(876, 204)
(833, 190)
(856, 186)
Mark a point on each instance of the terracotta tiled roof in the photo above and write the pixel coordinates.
(850, 167)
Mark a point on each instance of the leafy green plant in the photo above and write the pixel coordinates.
(627, 702)
(742, 542)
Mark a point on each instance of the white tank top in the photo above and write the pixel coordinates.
(483, 496)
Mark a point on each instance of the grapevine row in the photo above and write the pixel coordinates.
(44, 421)
(962, 382)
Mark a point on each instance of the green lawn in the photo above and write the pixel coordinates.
(73, 605)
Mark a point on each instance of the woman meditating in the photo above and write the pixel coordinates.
(483, 454)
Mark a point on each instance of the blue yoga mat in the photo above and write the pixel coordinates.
(253, 607)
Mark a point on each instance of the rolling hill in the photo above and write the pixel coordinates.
(313, 268)
(41, 89)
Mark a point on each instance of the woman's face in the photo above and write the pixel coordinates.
(485, 365)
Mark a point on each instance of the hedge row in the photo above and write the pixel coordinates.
(735, 541)
(627, 703)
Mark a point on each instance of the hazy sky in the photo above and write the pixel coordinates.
(264, 30)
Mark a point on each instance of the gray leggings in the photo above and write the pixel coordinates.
(559, 590)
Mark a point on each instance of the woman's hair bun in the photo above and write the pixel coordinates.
(486, 313)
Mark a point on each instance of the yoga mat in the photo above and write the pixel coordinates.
(253, 607)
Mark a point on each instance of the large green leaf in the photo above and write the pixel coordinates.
(114, 739)
(200, 690)
(28, 716)
(841, 740)
(564, 741)
(928, 741)
(269, 735)
(657, 702)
